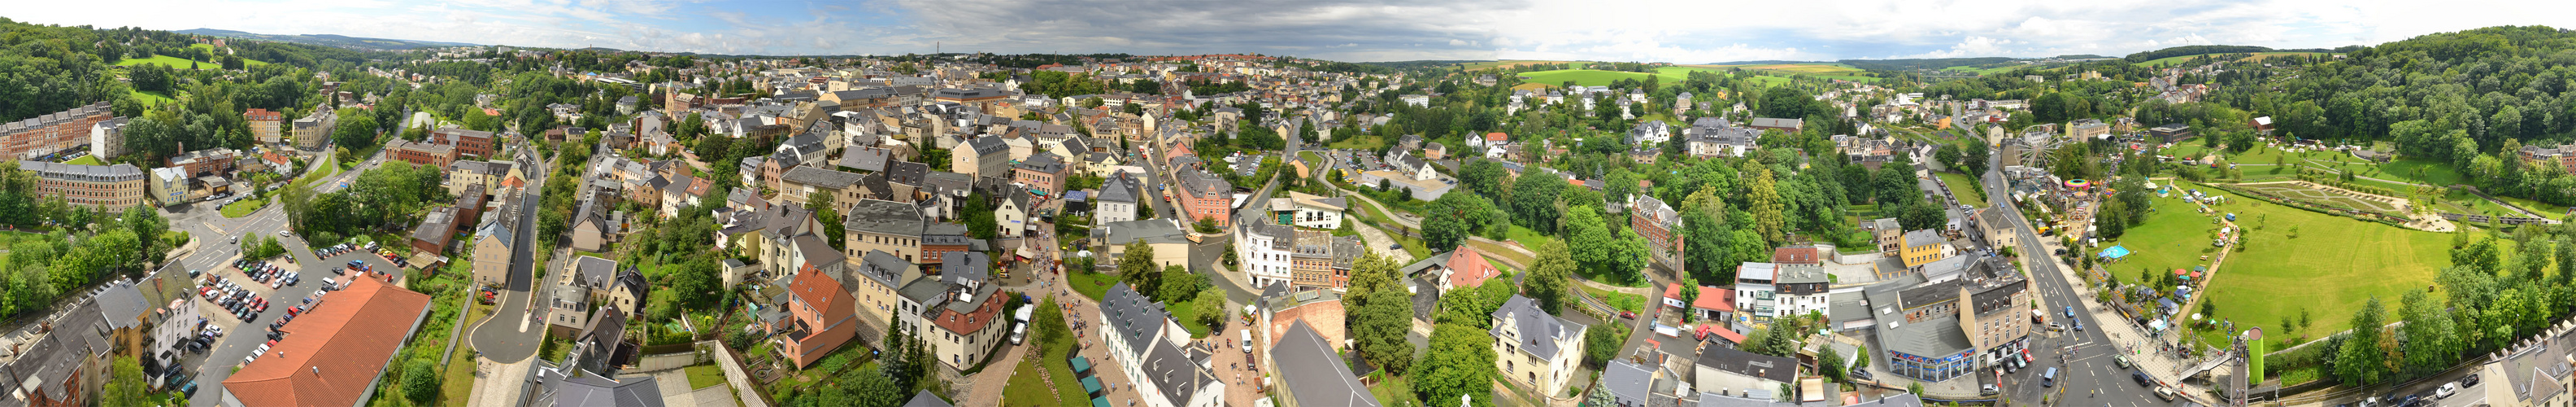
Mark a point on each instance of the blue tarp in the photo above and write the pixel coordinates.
(2115, 252)
(2166, 303)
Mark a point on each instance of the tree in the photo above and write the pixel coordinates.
(357, 129)
(1975, 158)
(1379, 326)
(1533, 202)
(1136, 268)
(125, 384)
(2361, 361)
(1763, 200)
(1831, 362)
(1549, 276)
(421, 381)
(2430, 336)
(1602, 343)
(1459, 363)
(873, 387)
(1948, 156)
(697, 283)
(1593, 245)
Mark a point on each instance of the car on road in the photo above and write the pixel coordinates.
(2446, 390)
(2049, 378)
(2165, 393)
(2122, 361)
(2471, 380)
(2142, 379)
(282, 233)
(2070, 311)
(2079, 326)
(1628, 314)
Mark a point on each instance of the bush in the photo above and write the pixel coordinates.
(421, 381)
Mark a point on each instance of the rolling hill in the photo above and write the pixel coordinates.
(327, 40)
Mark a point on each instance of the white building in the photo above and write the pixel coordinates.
(1265, 249)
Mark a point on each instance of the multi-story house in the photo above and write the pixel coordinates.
(987, 156)
(964, 317)
(888, 226)
(1923, 247)
(111, 187)
(1318, 259)
(264, 125)
(821, 317)
(878, 284)
(1887, 234)
(1534, 348)
(1764, 291)
(1143, 342)
(52, 133)
(1117, 201)
(1264, 250)
(1661, 226)
(1731, 372)
(431, 155)
(1308, 211)
(475, 143)
(497, 239)
(1043, 172)
(1204, 196)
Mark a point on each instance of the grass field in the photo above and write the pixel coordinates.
(86, 160)
(2332, 266)
(1516, 62)
(1622, 301)
(2258, 56)
(1358, 142)
(1026, 388)
(151, 98)
(244, 207)
(1965, 187)
(701, 376)
(1094, 285)
(1670, 75)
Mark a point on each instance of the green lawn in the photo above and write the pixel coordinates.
(86, 160)
(2331, 267)
(182, 63)
(151, 98)
(318, 170)
(1358, 142)
(1965, 187)
(244, 207)
(701, 376)
(1026, 388)
(1188, 316)
(1670, 75)
(1094, 285)
(1394, 391)
(1622, 301)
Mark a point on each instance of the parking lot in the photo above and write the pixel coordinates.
(241, 337)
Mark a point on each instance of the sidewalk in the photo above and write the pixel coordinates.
(2130, 339)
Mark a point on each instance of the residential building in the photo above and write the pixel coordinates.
(568, 310)
(315, 129)
(1117, 201)
(1711, 137)
(1764, 291)
(431, 155)
(1203, 196)
(474, 143)
(436, 229)
(497, 240)
(207, 162)
(1887, 234)
(879, 279)
(1628, 384)
(1145, 344)
(888, 226)
(107, 138)
(1043, 173)
(1466, 268)
(264, 125)
(1319, 259)
(1534, 348)
(1728, 371)
(799, 184)
(987, 156)
(111, 187)
(1996, 223)
(484, 177)
(339, 353)
(1661, 226)
(167, 186)
(1172, 241)
(1264, 249)
(823, 319)
(2087, 129)
(1309, 211)
(1924, 246)
(1783, 125)
(1311, 373)
(52, 133)
(967, 317)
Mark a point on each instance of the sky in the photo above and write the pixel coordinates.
(1676, 31)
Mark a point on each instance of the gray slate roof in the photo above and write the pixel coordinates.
(884, 217)
(1538, 329)
(1313, 373)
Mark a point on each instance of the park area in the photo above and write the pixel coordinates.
(2320, 195)
(2292, 260)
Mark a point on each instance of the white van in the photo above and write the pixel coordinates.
(2049, 378)
(1247, 340)
(1019, 333)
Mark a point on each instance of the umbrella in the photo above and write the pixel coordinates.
(2195, 316)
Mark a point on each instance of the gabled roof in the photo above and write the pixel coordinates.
(1119, 188)
(1469, 268)
(1313, 373)
(584, 390)
(1539, 331)
(332, 357)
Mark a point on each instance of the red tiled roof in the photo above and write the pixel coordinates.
(292, 375)
(968, 323)
(818, 290)
(1713, 298)
(1673, 291)
(1712, 328)
(1468, 268)
(1497, 136)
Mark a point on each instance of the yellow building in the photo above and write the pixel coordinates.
(1924, 246)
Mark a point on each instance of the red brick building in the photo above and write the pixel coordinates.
(432, 155)
(52, 132)
(466, 142)
(1655, 221)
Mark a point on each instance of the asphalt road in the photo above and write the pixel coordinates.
(502, 337)
(2086, 362)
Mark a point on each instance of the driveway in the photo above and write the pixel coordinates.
(513, 332)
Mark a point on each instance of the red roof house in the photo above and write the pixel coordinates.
(825, 316)
(1468, 268)
(1795, 255)
(330, 358)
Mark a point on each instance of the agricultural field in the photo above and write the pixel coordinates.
(2293, 259)
(1514, 63)
(182, 63)
(2170, 61)
(2306, 192)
